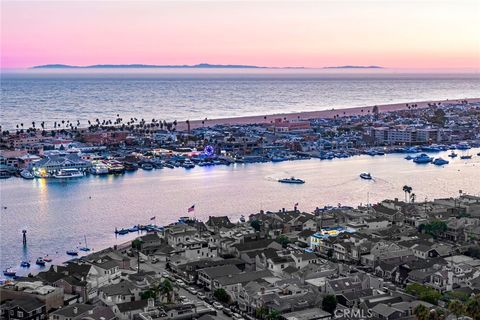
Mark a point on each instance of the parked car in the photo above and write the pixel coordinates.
(228, 312)
(217, 305)
(201, 295)
(192, 290)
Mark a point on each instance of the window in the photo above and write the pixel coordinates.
(20, 314)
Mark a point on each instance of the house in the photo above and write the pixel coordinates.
(124, 291)
(23, 309)
(80, 311)
(128, 310)
(248, 246)
(29, 290)
(207, 276)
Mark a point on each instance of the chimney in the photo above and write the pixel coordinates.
(90, 311)
(75, 310)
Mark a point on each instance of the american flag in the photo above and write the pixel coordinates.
(191, 209)
(295, 205)
(153, 218)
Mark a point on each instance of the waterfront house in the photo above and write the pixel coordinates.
(56, 161)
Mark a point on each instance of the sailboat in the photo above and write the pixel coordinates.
(86, 248)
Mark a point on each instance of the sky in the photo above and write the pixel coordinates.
(411, 34)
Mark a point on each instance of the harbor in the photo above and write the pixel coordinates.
(60, 213)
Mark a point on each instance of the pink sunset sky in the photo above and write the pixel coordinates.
(390, 33)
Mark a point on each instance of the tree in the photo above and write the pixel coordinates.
(434, 228)
(407, 190)
(329, 303)
(473, 307)
(457, 308)
(255, 224)
(166, 290)
(421, 312)
(283, 240)
(221, 295)
(273, 315)
(423, 293)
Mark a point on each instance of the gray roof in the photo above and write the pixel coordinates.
(121, 288)
(69, 311)
(133, 305)
(220, 271)
(244, 277)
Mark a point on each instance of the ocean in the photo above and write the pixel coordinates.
(166, 94)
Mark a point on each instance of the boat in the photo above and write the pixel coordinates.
(121, 231)
(440, 162)
(292, 180)
(452, 154)
(10, 272)
(188, 164)
(47, 259)
(366, 176)
(409, 157)
(72, 253)
(147, 166)
(478, 154)
(463, 146)
(242, 218)
(85, 248)
(422, 158)
(25, 264)
(278, 159)
(466, 157)
(130, 166)
(115, 167)
(99, 168)
(40, 261)
(68, 174)
(25, 174)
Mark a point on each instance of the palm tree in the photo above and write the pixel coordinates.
(166, 290)
(421, 312)
(407, 190)
(457, 308)
(473, 307)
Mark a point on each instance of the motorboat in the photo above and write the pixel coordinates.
(40, 261)
(72, 253)
(115, 167)
(147, 166)
(422, 158)
(188, 164)
(453, 154)
(409, 157)
(10, 272)
(130, 166)
(25, 174)
(366, 176)
(292, 180)
(466, 157)
(47, 259)
(25, 264)
(463, 146)
(242, 219)
(440, 162)
(68, 174)
(121, 231)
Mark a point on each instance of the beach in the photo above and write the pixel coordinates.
(325, 114)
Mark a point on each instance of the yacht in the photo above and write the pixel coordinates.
(452, 154)
(115, 166)
(47, 259)
(440, 162)
(68, 173)
(25, 264)
(147, 166)
(188, 164)
(40, 261)
(242, 218)
(422, 158)
(466, 157)
(366, 176)
(10, 272)
(85, 248)
(72, 253)
(463, 146)
(99, 168)
(130, 166)
(409, 157)
(25, 174)
(292, 180)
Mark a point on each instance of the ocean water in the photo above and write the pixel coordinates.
(58, 214)
(46, 95)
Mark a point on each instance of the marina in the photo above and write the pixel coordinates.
(59, 212)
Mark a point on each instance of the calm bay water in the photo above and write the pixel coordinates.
(46, 95)
(57, 214)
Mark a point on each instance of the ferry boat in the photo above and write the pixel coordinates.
(292, 180)
(68, 173)
(452, 154)
(25, 264)
(99, 168)
(366, 176)
(40, 261)
(440, 162)
(10, 272)
(72, 253)
(422, 158)
(466, 157)
(25, 174)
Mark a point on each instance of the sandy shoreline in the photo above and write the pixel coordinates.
(313, 114)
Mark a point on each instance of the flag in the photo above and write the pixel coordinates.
(191, 209)
(295, 205)
(152, 218)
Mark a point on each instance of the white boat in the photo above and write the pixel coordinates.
(68, 174)
(366, 176)
(25, 174)
(440, 162)
(99, 168)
